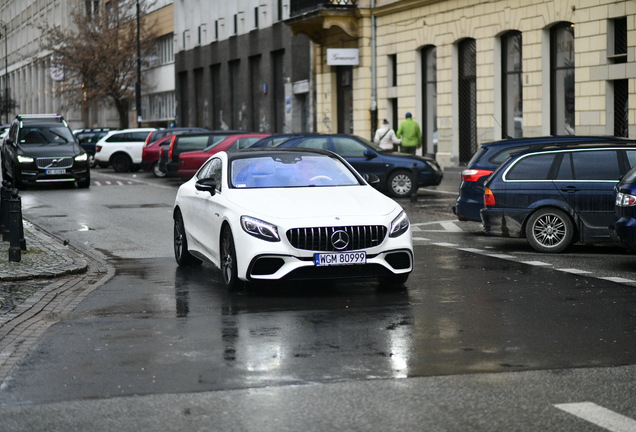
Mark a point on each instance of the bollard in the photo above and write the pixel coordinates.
(414, 181)
(5, 194)
(17, 243)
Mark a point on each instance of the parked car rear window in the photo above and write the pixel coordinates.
(533, 167)
(500, 157)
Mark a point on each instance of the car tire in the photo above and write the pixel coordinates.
(121, 162)
(400, 184)
(86, 183)
(156, 171)
(549, 230)
(181, 253)
(229, 271)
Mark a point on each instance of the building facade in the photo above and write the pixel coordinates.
(34, 82)
(473, 71)
(239, 67)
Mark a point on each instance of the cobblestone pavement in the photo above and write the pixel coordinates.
(54, 278)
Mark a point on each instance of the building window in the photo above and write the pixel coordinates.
(429, 97)
(467, 86)
(216, 30)
(158, 107)
(512, 91)
(256, 17)
(621, 108)
(92, 8)
(235, 24)
(392, 70)
(562, 79)
(617, 40)
(279, 8)
(164, 51)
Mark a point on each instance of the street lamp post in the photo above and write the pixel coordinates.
(6, 72)
(138, 83)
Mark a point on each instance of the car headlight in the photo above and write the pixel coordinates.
(25, 159)
(260, 229)
(400, 225)
(82, 158)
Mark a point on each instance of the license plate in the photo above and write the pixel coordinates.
(342, 258)
(56, 171)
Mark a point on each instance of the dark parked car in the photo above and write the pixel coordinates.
(169, 162)
(490, 155)
(395, 170)
(556, 195)
(161, 133)
(88, 138)
(623, 231)
(42, 149)
(275, 140)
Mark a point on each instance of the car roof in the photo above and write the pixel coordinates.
(575, 146)
(552, 139)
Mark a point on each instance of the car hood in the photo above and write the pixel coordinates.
(291, 203)
(49, 150)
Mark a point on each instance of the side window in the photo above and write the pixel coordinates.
(503, 154)
(631, 157)
(596, 165)
(566, 170)
(320, 143)
(346, 147)
(533, 167)
(139, 136)
(121, 137)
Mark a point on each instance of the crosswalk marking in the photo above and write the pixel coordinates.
(600, 416)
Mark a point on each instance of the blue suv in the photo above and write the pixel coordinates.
(556, 195)
(488, 158)
(623, 231)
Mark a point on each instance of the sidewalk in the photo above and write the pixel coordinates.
(45, 257)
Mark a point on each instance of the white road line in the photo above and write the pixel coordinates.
(98, 183)
(536, 263)
(617, 279)
(574, 271)
(446, 244)
(451, 226)
(502, 256)
(479, 251)
(600, 416)
(421, 239)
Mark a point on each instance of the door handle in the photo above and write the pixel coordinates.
(570, 189)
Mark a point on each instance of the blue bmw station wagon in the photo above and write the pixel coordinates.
(557, 195)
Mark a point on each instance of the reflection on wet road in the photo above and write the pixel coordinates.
(157, 328)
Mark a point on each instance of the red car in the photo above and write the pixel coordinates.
(151, 154)
(190, 162)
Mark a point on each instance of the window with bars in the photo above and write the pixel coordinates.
(621, 108)
(512, 86)
(562, 79)
(429, 97)
(467, 64)
(617, 40)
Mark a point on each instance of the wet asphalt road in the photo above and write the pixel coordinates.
(156, 329)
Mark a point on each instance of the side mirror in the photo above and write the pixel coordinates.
(369, 154)
(372, 179)
(206, 185)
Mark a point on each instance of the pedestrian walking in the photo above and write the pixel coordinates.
(385, 137)
(409, 132)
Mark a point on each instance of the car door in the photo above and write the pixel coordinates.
(586, 180)
(363, 159)
(207, 210)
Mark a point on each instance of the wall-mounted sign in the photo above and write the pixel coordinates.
(343, 56)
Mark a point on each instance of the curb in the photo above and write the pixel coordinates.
(44, 258)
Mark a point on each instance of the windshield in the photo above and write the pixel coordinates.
(290, 170)
(46, 134)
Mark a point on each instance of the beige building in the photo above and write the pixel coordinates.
(473, 71)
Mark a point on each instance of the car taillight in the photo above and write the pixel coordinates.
(98, 148)
(489, 197)
(625, 200)
(472, 175)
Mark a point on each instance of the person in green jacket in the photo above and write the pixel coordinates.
(410, 133)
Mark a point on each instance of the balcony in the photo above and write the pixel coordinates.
(319, 18)
(301, 7)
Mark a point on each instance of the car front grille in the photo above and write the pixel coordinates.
(52, 162)
(337, 239)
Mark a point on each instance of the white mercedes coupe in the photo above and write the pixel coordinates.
(267, 214)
